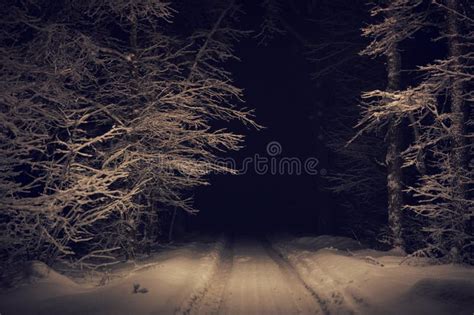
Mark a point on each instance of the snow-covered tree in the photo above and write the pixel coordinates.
(438, 107)
(400, 19)
(105, 118)
(445, 194)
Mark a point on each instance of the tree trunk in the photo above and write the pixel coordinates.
(458, 157)
(393, 155)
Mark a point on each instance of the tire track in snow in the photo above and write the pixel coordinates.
(335, 301)
(209, 302)
(287, 268)
(217, 258)
(253, 279)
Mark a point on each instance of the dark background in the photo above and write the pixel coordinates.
(276, 80)
(293, 108)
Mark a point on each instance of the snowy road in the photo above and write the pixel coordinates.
(253, 279)
(247, 275)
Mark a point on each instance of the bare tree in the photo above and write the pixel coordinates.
(271, 25)
(445, 195)
(438, 106)
(101, 132)
(400, 20)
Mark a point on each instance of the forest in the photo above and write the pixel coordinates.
(116, 117)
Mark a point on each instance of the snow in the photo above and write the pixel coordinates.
(170, 281)
(326, 241)
(325, 274)
(353, 279)
(254, 280)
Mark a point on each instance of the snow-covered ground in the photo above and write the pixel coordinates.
(253, 280)
(163, 284)
(247, 275)
(348, 278)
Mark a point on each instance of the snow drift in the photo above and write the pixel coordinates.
(351, 279)
(162, 284)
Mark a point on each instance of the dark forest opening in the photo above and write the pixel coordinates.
(276, 82)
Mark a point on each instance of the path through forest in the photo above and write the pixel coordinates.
(253, 279)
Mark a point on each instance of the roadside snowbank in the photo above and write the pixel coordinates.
(172, 279)
(351, 279)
